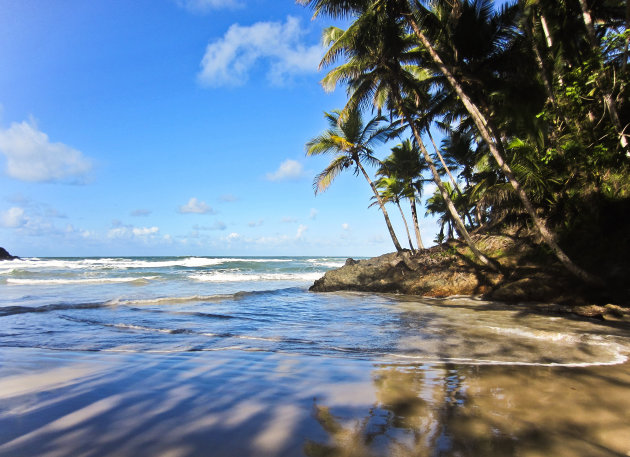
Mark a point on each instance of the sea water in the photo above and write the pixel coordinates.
(78, 330)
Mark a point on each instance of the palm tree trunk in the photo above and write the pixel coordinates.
(461, 229)
(482, 126)
(406, 226)
(626, 48)
(531, 36)
(588, 22)
(382, 206)
(545, 27)
(448, 172)
(416, 226)
(609, 100)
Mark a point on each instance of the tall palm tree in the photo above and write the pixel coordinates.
(350, 142)
(378, 70)
(484, 127)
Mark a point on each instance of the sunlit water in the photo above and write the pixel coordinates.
(72, 323)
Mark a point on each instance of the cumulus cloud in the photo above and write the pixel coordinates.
(196, 206)
(12, 218)
(228, 60)
(32, 157)
(345, 226)
(289, 169)
(202, 6)
(143, 231)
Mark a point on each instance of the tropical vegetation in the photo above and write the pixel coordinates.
(531, 101)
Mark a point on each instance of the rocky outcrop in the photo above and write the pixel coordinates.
(4, 255)
(526, 276)
(428, 275)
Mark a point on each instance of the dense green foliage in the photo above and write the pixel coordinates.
(532, 99)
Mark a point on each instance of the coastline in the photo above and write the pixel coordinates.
(526, 276)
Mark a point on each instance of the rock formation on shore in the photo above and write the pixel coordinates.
(527, 275)
(4, 255)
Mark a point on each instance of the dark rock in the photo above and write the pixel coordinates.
(4, 255)
(447, 270)
(400, 272)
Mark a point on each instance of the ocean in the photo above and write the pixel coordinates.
(107, 356)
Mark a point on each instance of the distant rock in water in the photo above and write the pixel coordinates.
(4, 255)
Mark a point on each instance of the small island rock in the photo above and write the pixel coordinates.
(4, 255)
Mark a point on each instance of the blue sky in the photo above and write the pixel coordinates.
(171, 127)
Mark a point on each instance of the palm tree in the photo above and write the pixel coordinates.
(379, 70)
(404, 164)
(436, 206)
(444, 52)
(392, 189)
(350, 142)
(484, 127)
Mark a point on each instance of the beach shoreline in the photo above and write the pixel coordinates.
(265, 404)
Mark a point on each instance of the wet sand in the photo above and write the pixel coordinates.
(254, 403)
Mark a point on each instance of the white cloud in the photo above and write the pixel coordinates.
(143, 231)
(429, 189)
(12, 218)
(300, 231)
(228, 60)
(289, 220)
(345, 226)
(32, 157)
(313, 214)
(233, 236)
(202, 6)
(195, 206)
(257, 223)
(289, 169)
(128, 231)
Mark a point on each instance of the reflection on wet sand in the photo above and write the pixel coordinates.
(485, 411)
(234, 403)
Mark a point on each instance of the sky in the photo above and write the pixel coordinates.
(172, 127)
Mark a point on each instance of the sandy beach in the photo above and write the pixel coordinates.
(187, 357)
(260, 404)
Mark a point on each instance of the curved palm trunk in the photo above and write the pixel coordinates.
(461, 229)
(402, 214)
(439, 154)
(482, 126)
(416, 226)
(382, 206)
